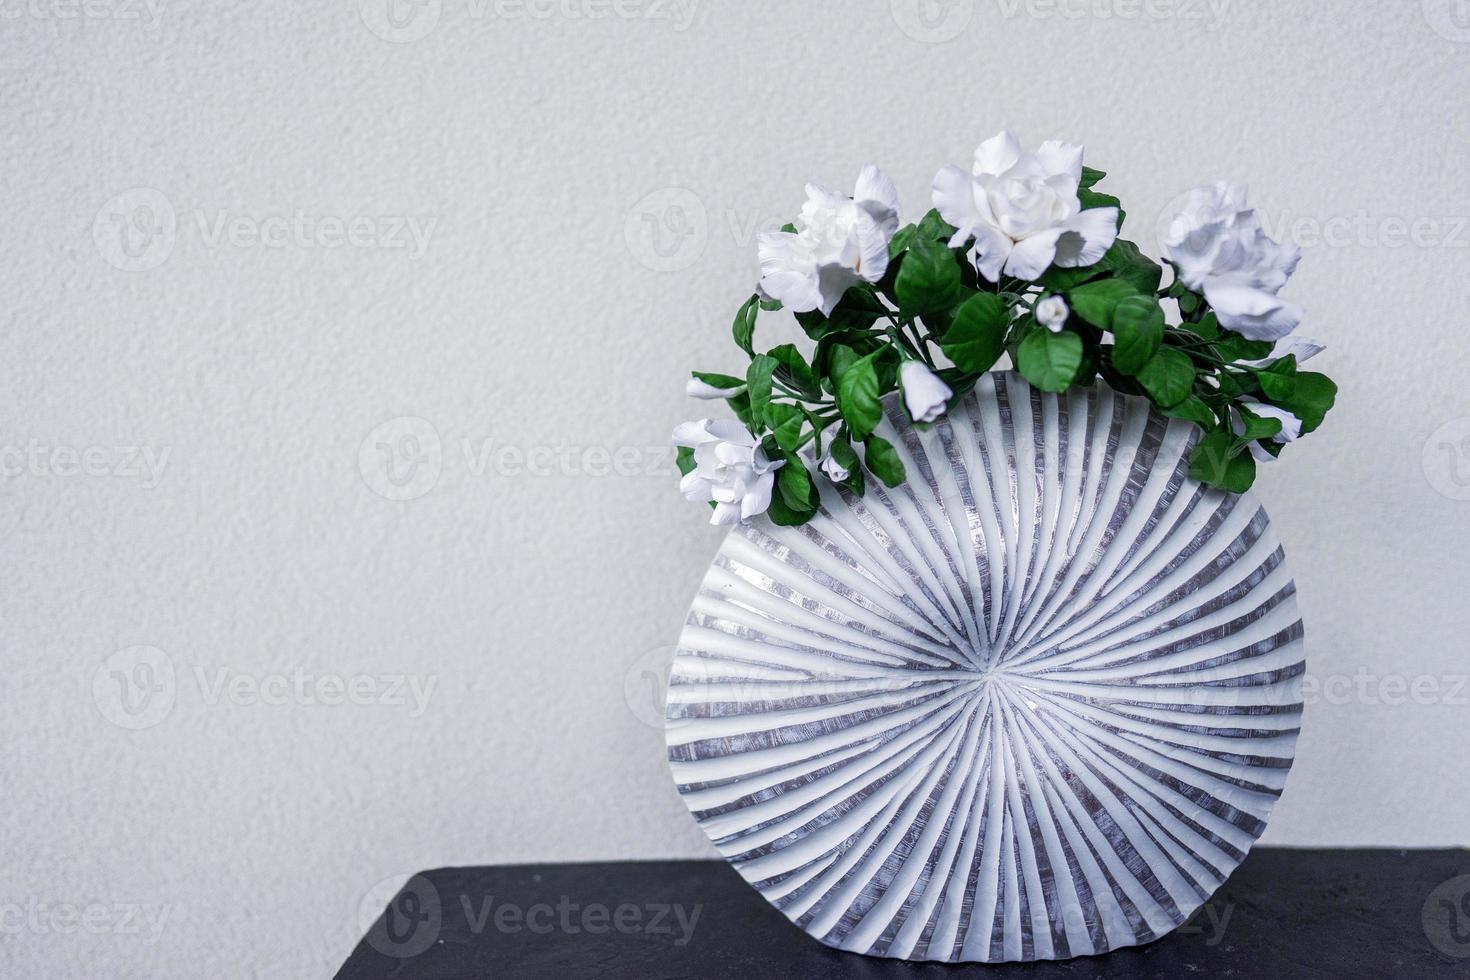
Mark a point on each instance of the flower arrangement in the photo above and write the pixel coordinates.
(1020, 257)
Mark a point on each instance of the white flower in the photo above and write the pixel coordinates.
(835, 471)
(697, 388)
(1302, 347)
(1221, 251)
(1291, 426)
(1051, 313)
(923, 393)
(1021, 208)
(730, 468)
(838, 241)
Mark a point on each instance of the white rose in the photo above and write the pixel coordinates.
(1052, 313)
(1302, 347)
(924, 394)
(1021, 208)
(1221, 251)
(698, 388)
(730, 468)
(1291, 426)
(838, 241)
(835, 471)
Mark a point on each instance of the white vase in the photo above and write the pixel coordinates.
(1036, 702)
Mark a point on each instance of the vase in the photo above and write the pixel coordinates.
(1035, 702)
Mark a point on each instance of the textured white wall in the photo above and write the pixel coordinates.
(256, 548)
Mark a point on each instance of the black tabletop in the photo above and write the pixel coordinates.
(1284, 913)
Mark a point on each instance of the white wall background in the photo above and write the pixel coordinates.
(538, 155)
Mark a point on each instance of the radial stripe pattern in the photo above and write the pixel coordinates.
(1036, 702)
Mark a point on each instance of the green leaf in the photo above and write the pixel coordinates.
(841, 450)
(1233, 347)
(718, 380)
(793, 369)
(1256, 427)
(934, 228)
(855, 311)
(1311, 398)
(928, 278)
(1095, 301)
(770, 305)
(744, 328)
(1192, 409)
(1219, 462)
(740, 405)
(857, 396)
(1138, 329)
(1090, 177)
(786, 422)
(1049, 360)
(882, 460)
(1279, 380)
(901, 239)
(1188, 302)
(1126, 262)
(1167, 377)
(685, 460)
(758, 383)
(1090, 199)
(794, 485)
(977, 335)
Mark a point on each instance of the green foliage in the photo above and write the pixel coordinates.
(928, 278)
(1050, 360)
(932, 306)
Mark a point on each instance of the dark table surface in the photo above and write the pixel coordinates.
(1284, 913)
